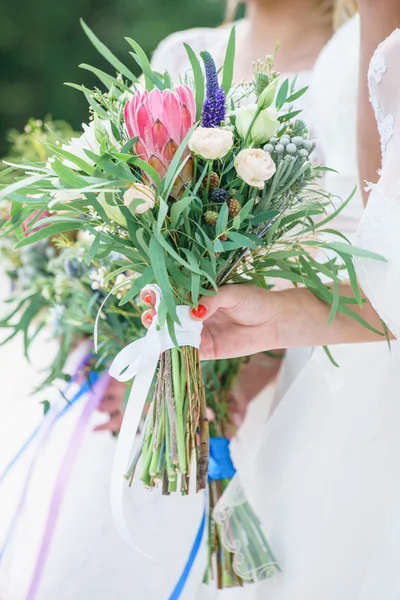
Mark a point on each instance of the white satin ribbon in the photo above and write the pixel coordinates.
(139, 360)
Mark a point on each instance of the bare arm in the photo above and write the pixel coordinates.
(313, 326)
(378, 19)
(244, 319)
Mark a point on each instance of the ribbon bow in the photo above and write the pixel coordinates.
(139, 361)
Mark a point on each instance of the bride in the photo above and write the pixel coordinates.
(326, 487)
(307, 51)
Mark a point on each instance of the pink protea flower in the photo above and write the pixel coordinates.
(161, 120)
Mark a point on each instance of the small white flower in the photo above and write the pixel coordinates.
(211, 143)
(255, 166)
(140, 191)
(77, 146)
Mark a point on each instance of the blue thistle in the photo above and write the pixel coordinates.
(214, 104)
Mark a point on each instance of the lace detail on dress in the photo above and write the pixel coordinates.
(386, 131)
(385, 120)
(377, 67)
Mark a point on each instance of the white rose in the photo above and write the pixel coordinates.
(139, 191)
(210, 142)
(255, 166)
(263, 129)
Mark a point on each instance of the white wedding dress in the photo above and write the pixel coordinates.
(324, 478)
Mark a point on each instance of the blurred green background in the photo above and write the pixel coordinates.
(42, 44)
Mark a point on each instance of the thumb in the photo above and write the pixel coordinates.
(227, 297)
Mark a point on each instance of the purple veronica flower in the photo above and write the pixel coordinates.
(214, 103)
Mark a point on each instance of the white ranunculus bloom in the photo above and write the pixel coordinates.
(140, 191)
(211, 143)
(255, 166)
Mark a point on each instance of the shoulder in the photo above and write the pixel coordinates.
(343, 46)
(170, 55)
(335, 74)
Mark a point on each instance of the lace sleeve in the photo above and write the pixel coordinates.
(380, 226)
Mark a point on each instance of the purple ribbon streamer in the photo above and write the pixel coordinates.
(64, 474)
(47, 425)
(49, 420)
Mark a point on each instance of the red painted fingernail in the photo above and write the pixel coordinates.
(199, 312)
(147, 299)
(149, 318)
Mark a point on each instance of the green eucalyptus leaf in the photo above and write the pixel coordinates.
(144, 63)
(198, 80)
(222, 220)
(158, 262)
(227, 77)
(106, 53)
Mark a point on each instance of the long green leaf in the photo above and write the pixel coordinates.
(335, 302)
(241, 239)
(354, 251)
(106, 79)
(282, 94)
(68, 175)
(162, 213)
(144, 63)
(297, 95)
(198, 80)
(49, 231)
(175, 166)
(229, 62)
(76, 160)
(140, 283)
(222, 220)
(175, 255)
(19, 185)
(106, 53)
(158, 262)
(177, 209)
(243, 214)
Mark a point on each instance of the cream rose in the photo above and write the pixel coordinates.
(264, 127)
(139, 191)
(255, 166)
(210, 142)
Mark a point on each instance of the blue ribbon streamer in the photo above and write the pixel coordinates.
(84, 389)
(178, 589)
(220, 467)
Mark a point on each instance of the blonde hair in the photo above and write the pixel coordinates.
(339, 10)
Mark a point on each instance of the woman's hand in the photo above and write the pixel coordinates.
(111, 403)
(238, 321)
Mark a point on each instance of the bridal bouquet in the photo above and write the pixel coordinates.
(192, 186)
